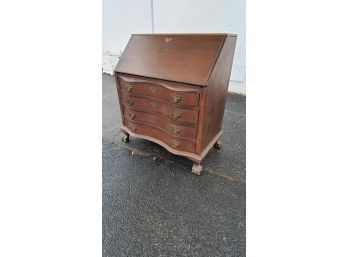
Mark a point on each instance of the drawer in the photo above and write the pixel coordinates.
(188, 116)
(167, 126)
(173, 142)
(179, 95)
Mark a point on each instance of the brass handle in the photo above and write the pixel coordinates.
(175, 130)
(174, 143)
(174, 114)
(130, 102)
(132, 127)
(175, 98)
(128, 87)
(131, 115)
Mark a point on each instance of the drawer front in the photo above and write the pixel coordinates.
(187, 97)
(156, 120)
(189, 116)
(173, 142)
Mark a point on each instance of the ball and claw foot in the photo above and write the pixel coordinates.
(125, 138)
(197, 169)
(218, 145)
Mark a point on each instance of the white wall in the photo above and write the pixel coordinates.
(122, 18)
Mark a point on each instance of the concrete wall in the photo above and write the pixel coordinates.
(122, 18)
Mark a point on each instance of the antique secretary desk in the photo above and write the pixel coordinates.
(172, 90)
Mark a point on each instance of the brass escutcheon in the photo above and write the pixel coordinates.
(128, 87)
(132, 127)
(130, 102)
(175, 130)
(174, 143)
(174, 114)
(131, 115)
(168, 39)
(175, 98)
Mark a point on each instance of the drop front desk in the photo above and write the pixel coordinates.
(172, 90)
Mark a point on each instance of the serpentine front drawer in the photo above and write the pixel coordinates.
(158, 121)
(166, 110)
(182, 96)
(156, 133)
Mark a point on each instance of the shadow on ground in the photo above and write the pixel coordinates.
(154, 206)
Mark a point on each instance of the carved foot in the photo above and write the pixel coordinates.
(197, 169)
(125, 138)
(218, 145)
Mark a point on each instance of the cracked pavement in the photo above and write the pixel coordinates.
(154, 206)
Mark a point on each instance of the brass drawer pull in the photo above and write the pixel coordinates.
(175, 130)
(175, 98)
(132, 127)
(130, 102)
(131, 115)
(175, 114)
(128, 87)
(174, 143)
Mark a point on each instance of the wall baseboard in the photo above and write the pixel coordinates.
(237, 87)
(235, 93)
(109, 62)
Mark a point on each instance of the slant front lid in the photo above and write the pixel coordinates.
(186, 58)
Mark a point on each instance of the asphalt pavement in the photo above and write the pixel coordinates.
(154, 206)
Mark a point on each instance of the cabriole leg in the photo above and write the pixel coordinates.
(125, 137)
(197, 168)
(218, 145)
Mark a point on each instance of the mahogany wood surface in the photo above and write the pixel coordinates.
(179, 95)
(174, 113)
(181, 58)
(172, 89)
(216, 91)
(181, 144)
(165, 124)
